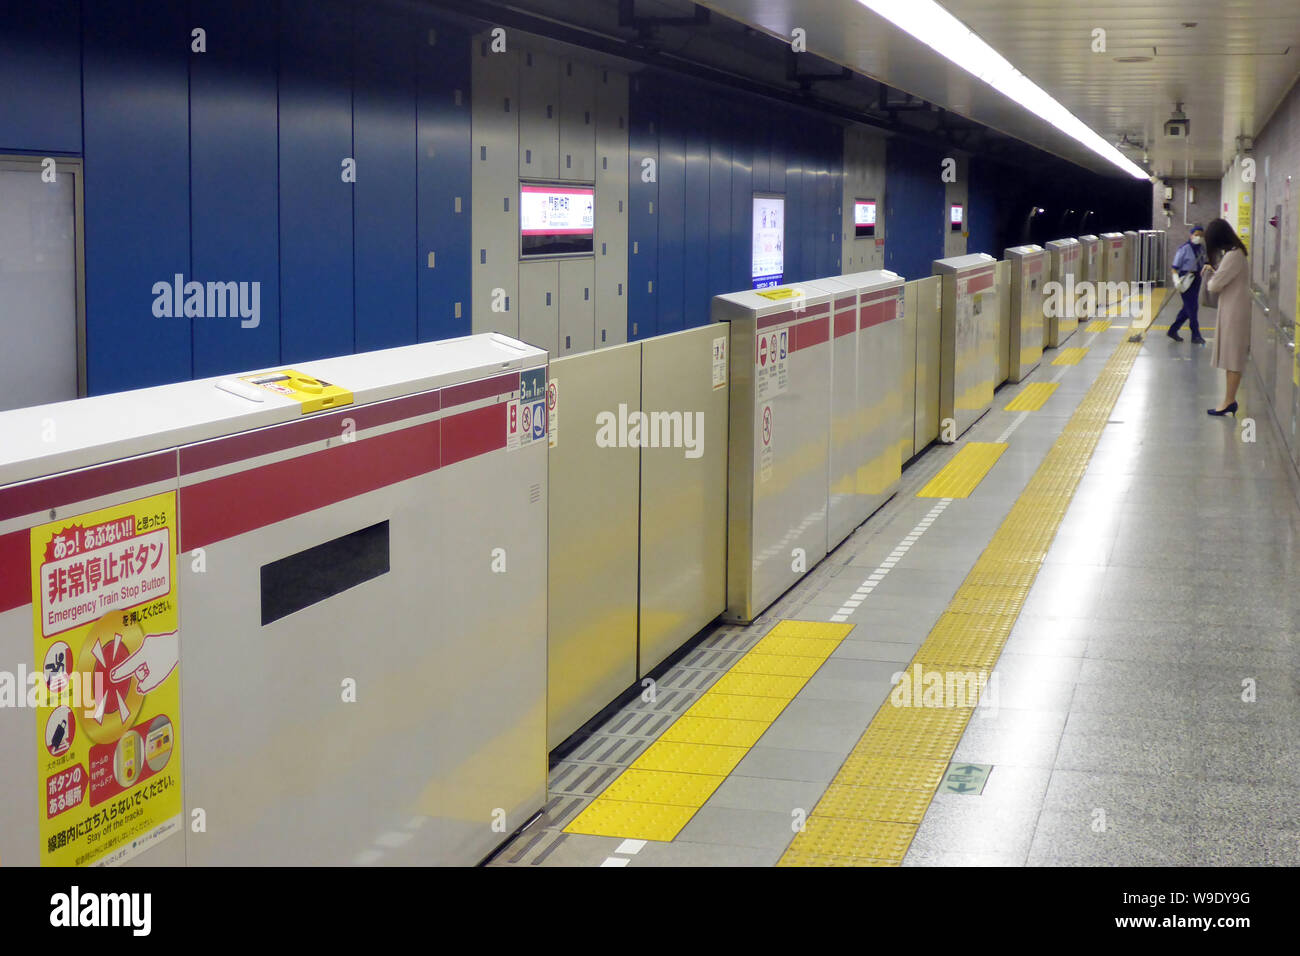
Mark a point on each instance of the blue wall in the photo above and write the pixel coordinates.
(916, 213)
(689, 235)
(225, 166)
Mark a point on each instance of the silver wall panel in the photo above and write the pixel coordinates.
(683, 498)
(908, 361)
(864, 178)
(1028, 265)
(969, 338)
(1090, 271)
(577, 305)
(776, 480)
(593, 546)
(929, 335)
(539, 304)
(494, 206)
(1003, 279)
(1065, 263)
(490, 707)
(611, 208)
(577, 120)
(539, 115)
(1112, 271)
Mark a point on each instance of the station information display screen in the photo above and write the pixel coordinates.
(556, 220)
(768, 264)
(956, 217)
(864, 217)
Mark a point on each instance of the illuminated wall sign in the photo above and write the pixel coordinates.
(864, 217)
(956, 216)
(556, 220)
(769, 240)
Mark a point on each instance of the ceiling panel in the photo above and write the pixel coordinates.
(1230, 71)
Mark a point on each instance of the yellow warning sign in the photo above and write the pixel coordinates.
(107, 695)
(777, 295)
(314, 394)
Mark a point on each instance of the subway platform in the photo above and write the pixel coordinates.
(1102, 577)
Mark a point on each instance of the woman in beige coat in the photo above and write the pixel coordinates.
(1228, 275)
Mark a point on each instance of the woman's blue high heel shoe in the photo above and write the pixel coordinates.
(1230, 410)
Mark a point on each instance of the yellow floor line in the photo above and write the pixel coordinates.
(1098, 325)
(871, 810)
(1032, 398)
(1070, 356)
(657, 796)
(967, 469)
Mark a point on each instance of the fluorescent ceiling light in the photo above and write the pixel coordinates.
(938, 29)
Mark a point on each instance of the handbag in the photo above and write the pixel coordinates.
(1184, 281)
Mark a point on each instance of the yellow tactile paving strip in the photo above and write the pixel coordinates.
(1032, 398)
(657, 796)
(1098, 325)
(870, 812)
(962, 475)
(1070, 356)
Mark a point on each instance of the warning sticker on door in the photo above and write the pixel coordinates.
(107, 651)
(771, 366)
(525, 423)
(720, 362)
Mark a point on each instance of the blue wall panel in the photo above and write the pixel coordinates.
(385, 196)
(723, 148)
(136, 191)
(745, 160)
(443, 178)
(697, 217)
(794, 209)
(233, 153)
(982, 217)
(914, 209)
(643, 211)
(40, 76)
(672, 212)
(316, 307)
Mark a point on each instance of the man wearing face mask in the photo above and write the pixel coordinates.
(1187, 265)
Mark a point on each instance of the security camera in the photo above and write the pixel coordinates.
(1178, 126)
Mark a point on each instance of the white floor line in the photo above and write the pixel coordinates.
(1012, 427)
(616, 861)
(878, 575)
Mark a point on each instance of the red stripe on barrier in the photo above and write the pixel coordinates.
(890, 296)
(235, 504)
(847, 302)
(844, 324)
(266, 441)
(790, 315)
(454, 395)
(15, 570)
(980, 283)
(878, 313)
(807, 334)
(56, 491)
(473, 433)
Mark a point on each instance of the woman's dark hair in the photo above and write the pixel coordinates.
(1219, 240)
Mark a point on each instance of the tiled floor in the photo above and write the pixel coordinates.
(1146, 706)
